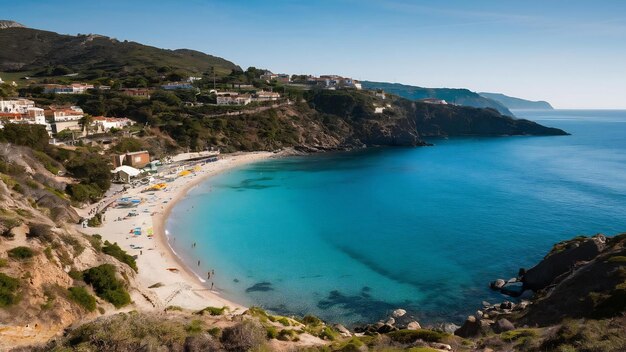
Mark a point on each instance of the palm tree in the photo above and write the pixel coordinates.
(85, 122)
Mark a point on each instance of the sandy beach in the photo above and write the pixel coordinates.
(163, 280)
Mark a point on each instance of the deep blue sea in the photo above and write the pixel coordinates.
(351, 236)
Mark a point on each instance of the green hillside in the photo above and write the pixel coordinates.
(451, 95)
(32, 50)
(517, 103)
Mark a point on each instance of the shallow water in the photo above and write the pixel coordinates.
(352, 236)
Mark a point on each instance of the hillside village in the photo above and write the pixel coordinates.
(70, 122)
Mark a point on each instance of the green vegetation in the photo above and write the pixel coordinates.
(21, 253)
(75, 274)
(102, 59)
(33, 136)
(50, 164)
(410, 336)
(106, 285)
(42, 232)
(81, 296)
(95, 220)
(619, 259)
(194, 327)
(118, 253)
(243, 336)
(95, 241)
(287, 335)
(214, 311)
(8, 290)
(272, 332)
(517, 334)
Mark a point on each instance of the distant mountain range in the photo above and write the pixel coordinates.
(517, 103)
(27, 49)
(456, 96)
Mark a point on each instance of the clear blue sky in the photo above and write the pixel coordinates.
(569, 52)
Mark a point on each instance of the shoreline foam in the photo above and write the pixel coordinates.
(183, 287)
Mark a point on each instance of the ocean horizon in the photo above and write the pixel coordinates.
(351, 236)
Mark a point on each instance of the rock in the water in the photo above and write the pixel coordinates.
(479, 314)
(486, 304)
(390, 321)
(471, 328)
(398, 313)
(498, 284)
(502, 325)
(413, 326)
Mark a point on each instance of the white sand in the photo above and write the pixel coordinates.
(181, 288)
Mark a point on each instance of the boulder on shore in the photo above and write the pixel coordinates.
(502, 325)
(398, 313)
(471, 328)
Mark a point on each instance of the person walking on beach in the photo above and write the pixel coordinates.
(211, 285)
(198, 263)
(208, 275)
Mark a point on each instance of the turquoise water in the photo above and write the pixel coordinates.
(351, 236)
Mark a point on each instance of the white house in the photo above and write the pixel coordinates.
(105, 124)
(22, 111)
(233, 98)
(380, 94)
(16, 106)
(64, 118)
(266, 96)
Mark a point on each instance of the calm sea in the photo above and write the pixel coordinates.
(351, 236)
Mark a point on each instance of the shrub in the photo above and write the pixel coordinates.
(3, 262)
(75, 243)
(311, 320)
(106, 285)
(118, 253)
(42, 232)
(410, 336)
(48, 252)
(620, 259)
(8, 290)
(83, 192)
(18, 188)
(81, 296)
(287, 335)
(328, 333)
(243, 336)
(284, 321)
(95, 241)
(95, 221)
(47, 162)
(21, 253)
(195, 327)
(512, 335)
(272, 332)
(215, 332)
(75, 274)
(212, 311)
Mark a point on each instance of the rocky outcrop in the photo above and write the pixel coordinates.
(563, 258)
